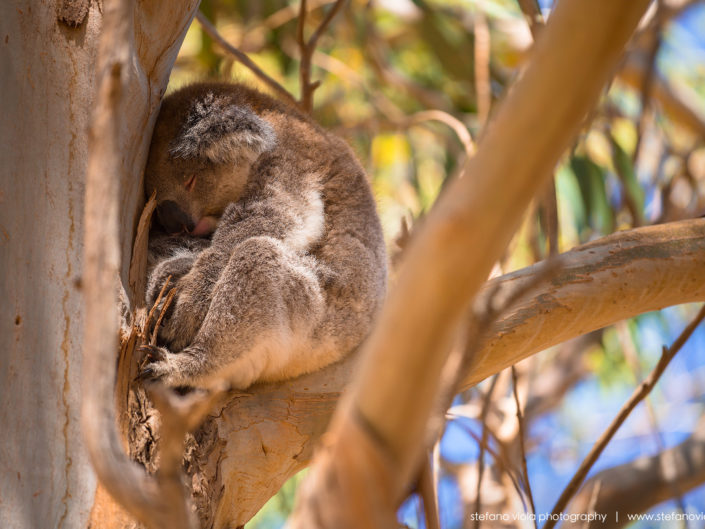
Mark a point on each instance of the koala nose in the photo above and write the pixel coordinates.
(172, 218)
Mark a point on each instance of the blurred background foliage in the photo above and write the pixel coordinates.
(639, 160)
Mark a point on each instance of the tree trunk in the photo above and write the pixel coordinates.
(260, 438)
(48, 84)
(47, 91)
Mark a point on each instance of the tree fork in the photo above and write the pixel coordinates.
(393, 395)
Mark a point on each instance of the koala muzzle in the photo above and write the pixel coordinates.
(173, 219)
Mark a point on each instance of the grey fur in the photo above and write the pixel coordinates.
(219, 131)
(295, 271)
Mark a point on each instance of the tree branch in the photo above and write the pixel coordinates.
(533, 16)
(637, 486)
(307, 48)
(611, 279)
(387, 409)
(483, 84)
(125, 481)
(679, 104)
(243, 59)
(484, 443)
(639, 394)
(451, 121)
(522, 446)
(118, 141)
(661, 266)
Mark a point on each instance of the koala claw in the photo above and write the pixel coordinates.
(152, 353)
(154, 358)
(147, 373)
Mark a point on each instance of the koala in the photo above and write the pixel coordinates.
(269, 231)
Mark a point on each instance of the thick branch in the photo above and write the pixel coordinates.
(388, 407)
(608, 280)
(402, 360)
(124, 480)
(662, 266)
(130, 81)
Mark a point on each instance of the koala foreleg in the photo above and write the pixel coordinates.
(294, 223)
(170, 257)
(261, 320)
(194, 292)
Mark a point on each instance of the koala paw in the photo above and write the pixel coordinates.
(171, 369)
(154, 364)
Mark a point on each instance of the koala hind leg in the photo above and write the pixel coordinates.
(264, 311)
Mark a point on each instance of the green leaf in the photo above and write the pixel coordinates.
(591, 179)
(627, 175)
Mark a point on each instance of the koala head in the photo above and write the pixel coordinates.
(202, 150)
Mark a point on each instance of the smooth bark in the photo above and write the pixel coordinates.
(611, 279)
(394, 393)
(47, 93)
(137, 49)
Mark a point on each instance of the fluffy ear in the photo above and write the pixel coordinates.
(222, 132)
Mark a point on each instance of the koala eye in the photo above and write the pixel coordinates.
(190, 183)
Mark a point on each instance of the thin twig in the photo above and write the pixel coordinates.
(300, 26)
(307, 48)
(627, 198)
(167, 302)
(454, 123)
(548, 202)
(152, 310)
(493, 306)
(522, 445)
(637, 396)
(647, 84)
(285, 14)
(501, 459)
(376, 48)
(326, 22)
(593, 501)
(647, 88)
(427, 491)
(630, 354)
(483, 87)
(549, 215)
(138, 264)
(532, 13)
(243, 58)
(487, 401)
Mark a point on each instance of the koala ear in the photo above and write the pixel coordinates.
(221, 132)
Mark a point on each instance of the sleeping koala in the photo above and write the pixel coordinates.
(270, 236)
